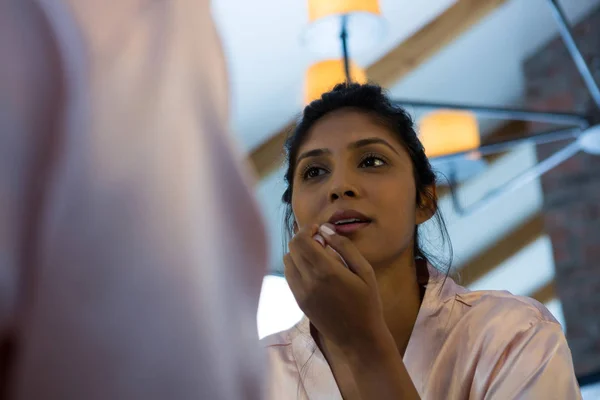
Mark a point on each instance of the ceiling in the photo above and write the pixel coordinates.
(483, 66)
(267, 61)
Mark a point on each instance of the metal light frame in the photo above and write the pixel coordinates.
(574, 125)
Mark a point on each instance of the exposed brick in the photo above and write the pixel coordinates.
(572, 190)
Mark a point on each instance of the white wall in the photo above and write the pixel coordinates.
(524, 273)
(277, 309)
(591, 392)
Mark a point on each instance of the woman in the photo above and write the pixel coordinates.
(381, 323)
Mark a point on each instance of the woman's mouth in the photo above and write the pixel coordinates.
(349, 221)
(350, 226)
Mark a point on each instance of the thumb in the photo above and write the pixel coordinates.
(347, 251)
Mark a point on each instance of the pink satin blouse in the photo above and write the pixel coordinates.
(465, 345)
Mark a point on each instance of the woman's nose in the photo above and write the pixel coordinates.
(339, 192)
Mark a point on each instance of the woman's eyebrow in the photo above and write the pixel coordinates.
(312, 153)
(370, 141)
(355, 145)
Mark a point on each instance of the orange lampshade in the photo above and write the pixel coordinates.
(324, 75)
(324, 8)
(445, 132)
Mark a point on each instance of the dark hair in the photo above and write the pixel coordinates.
(372, 100)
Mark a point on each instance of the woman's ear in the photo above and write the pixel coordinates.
(427, 206)
(295, 227)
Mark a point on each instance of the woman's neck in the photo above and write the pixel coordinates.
(401, 297)
(400, 289)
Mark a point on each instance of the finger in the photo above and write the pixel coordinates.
(301, 236)
(319, 239)
(312, 259)
(292, 275)
(309, 230)
(306, 252)
(294, 279)
(313, 232)
(347, 251)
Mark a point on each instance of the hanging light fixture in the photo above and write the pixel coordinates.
(443, 132)
(328, 36)
(446, 132)
(327, 18)
(322, 76)
(590, 140)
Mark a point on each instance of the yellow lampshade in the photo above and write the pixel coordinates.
(446, 132)
(361, 19)
(323, 8)
(324, 75)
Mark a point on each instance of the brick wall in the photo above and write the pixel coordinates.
(572, 191)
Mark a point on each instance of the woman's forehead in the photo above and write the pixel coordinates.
(340, 128)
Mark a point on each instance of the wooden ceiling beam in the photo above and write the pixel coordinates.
(269, 156)
(395, 65)
(546, 293)
(430, 39)
(511, 244)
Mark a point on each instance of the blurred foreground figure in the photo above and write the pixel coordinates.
(131, 249)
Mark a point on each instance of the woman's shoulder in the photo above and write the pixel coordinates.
(283, 338)
(287, 336)
(506, 342)
(279, 351)
(286, 352)
(493, 319)
(487, 304)
(518, 309)
(487, 323)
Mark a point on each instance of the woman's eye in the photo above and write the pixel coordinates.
(313, 172)
(372, 162)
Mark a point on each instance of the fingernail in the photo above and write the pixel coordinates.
(327, 230)
(319, 239)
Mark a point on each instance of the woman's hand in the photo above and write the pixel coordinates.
(342, 302)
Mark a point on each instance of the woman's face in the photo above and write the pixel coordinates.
(354, 172)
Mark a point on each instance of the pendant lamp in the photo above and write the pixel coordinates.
(445, 132)
(362, 18)
(322, 76)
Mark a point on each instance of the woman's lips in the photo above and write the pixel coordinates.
(346, 229)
